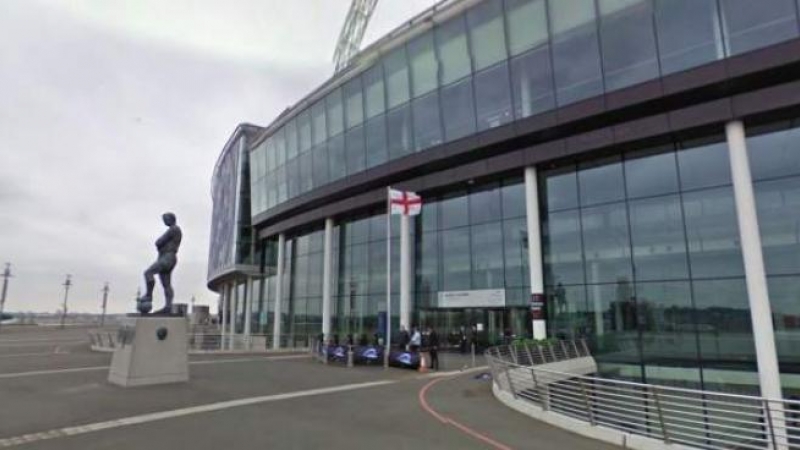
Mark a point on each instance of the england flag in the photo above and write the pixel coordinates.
(405, 202)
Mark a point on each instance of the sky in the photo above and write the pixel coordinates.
(115, 111)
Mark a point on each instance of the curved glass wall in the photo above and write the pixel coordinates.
(642, 256)
(500, 61)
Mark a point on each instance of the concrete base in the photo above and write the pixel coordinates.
(150, 350)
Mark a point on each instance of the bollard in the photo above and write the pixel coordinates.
(349, 356)
(473, 354)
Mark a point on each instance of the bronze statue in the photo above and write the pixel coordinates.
(167, 246)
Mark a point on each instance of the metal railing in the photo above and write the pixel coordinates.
(696, 418)
(107, 340)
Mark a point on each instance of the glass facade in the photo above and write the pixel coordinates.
(642, 256)
(499, 61)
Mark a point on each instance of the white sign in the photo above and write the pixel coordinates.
(483, 298)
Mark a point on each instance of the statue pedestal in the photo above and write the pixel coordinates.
(151, 350)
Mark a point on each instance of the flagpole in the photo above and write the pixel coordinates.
(388, 276)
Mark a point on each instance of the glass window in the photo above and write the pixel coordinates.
(291, 137)
(515, 246)
(271, 155)
(493, 97)
(532, 83)
(280, 180)
(651, 174)
(750, 25)
(561, 188)
(563, 252)
(628, 39)
(337, 165)
(704, 166)
(375, 134)
(293, 177)
(396, 70)
(484, 204)
(455, 259)
(513, 198)
(458, 110)
(427, 121)
(778, 205)
(356, 153)
(665, 312)
(304, 128)
(712, 233)
(424, 67)
(454, 211)
(688, 33)
(451, 40)
(783, 295)
(353, 102)
(374, 97)
(576, 52)
(427, 254)
(280, 149)
(606, 243)
(320, 162)
(527, 25)
(487, 256)
(659, 244)
(775, 154)
(487, 34)
(306, 172)
(318, 127)
(724, 326)
(428, 220)
(399, 132)
(335, 112)
(377, 267)
(272, 191)
(601, 181)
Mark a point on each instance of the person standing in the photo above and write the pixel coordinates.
(416, 340)
(404, 339)
(433, 345)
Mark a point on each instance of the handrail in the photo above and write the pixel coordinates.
(691, 417)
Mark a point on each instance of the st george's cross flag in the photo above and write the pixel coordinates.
(405, 202)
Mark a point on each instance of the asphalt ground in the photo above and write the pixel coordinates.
(54, 395)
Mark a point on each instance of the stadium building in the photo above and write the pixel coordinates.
(635, 164)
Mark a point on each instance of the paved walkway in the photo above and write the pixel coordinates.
(255, 401)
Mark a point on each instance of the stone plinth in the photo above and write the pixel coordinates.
(150, 350)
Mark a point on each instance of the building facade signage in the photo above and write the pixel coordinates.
(481, 298)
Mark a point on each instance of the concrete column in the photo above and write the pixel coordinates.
(276, 326)
(248, 310)
(223, 315)
(327, 263)
(234, 307)
(755, 275)
(405, 272)
(534, 246)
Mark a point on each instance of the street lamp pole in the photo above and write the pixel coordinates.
(67, 285)
(6, 276)
(105, 303)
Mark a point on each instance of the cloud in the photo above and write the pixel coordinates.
(114, 111)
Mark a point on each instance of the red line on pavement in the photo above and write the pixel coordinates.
(447, 420)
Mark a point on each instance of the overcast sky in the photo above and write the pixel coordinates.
(114, 111)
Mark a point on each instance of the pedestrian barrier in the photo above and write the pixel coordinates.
(539, 380)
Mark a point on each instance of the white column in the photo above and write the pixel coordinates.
(327, 262)
(276, 324)
(223, 317)
(755, 275)
(534, 246)
(248, 310)
(405, 273)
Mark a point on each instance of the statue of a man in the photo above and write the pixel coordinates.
(167, 246)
